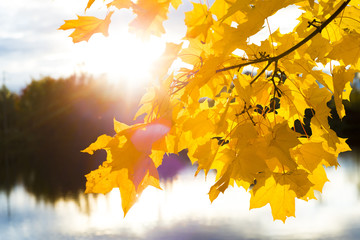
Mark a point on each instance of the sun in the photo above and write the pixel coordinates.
(123, 58)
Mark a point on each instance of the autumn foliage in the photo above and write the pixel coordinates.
(266, 130)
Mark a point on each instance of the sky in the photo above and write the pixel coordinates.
(31, 46)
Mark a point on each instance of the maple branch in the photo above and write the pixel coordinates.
(247, 111)
(290, 50)
(262, 71)
(242, 65)
(316, 31)
(276, 89)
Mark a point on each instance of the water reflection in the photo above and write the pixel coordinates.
(183, 211)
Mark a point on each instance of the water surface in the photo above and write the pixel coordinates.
(183, 211)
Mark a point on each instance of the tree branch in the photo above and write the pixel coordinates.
(290, 50)
(262, 71)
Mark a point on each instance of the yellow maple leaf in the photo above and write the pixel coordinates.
(297, 180)
(317, 99)
(205, 155)
(101, 180)
(150, 17)
(318, 48)
(101, 142)
(311, 3)
(347, 50)
(318, 178)
(200, 125)
(281, 141)
(198, 21)
(255, 13)
(176, 3)
(119, 126)
(341, 80)
(311, 154)
(246, 170)
(128, 165)
(119, 4)
(162, 65)
(89, 4)
(221, 185)
(280, 197)
(348, 20)
(86, 26)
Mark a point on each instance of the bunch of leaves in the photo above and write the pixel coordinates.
(267, 132)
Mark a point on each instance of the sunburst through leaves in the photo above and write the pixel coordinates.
(266, 131)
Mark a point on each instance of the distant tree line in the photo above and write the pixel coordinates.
(44, 128)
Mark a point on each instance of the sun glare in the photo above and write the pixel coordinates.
(122, 58)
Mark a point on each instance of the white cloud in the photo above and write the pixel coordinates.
(30, 42)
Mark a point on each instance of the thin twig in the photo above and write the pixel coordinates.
(262, 71)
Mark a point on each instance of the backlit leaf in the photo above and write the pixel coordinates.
(120, 4)
(347, 50)
(150, 17)
(86, 26)
(342, 88)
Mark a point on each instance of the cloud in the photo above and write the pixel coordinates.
(30, 41)
(31, 46)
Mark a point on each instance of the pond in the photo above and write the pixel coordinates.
(183, 211)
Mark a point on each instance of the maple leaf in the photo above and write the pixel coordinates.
(348, 21)
(89, 4)
(281, 141)
(221, 185)
(311, 154)
(120, 4)
(311, 2)
(166, 59)
(342, 88)
(319, 47)
(101, 142)
(347, 50)
(280, 197)
(198, 21)
(205, 155)
(318, 98)
(86, 26)
(200, 125)
(128, 165)
(297, 180)
(150, 16)
(318, 178)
